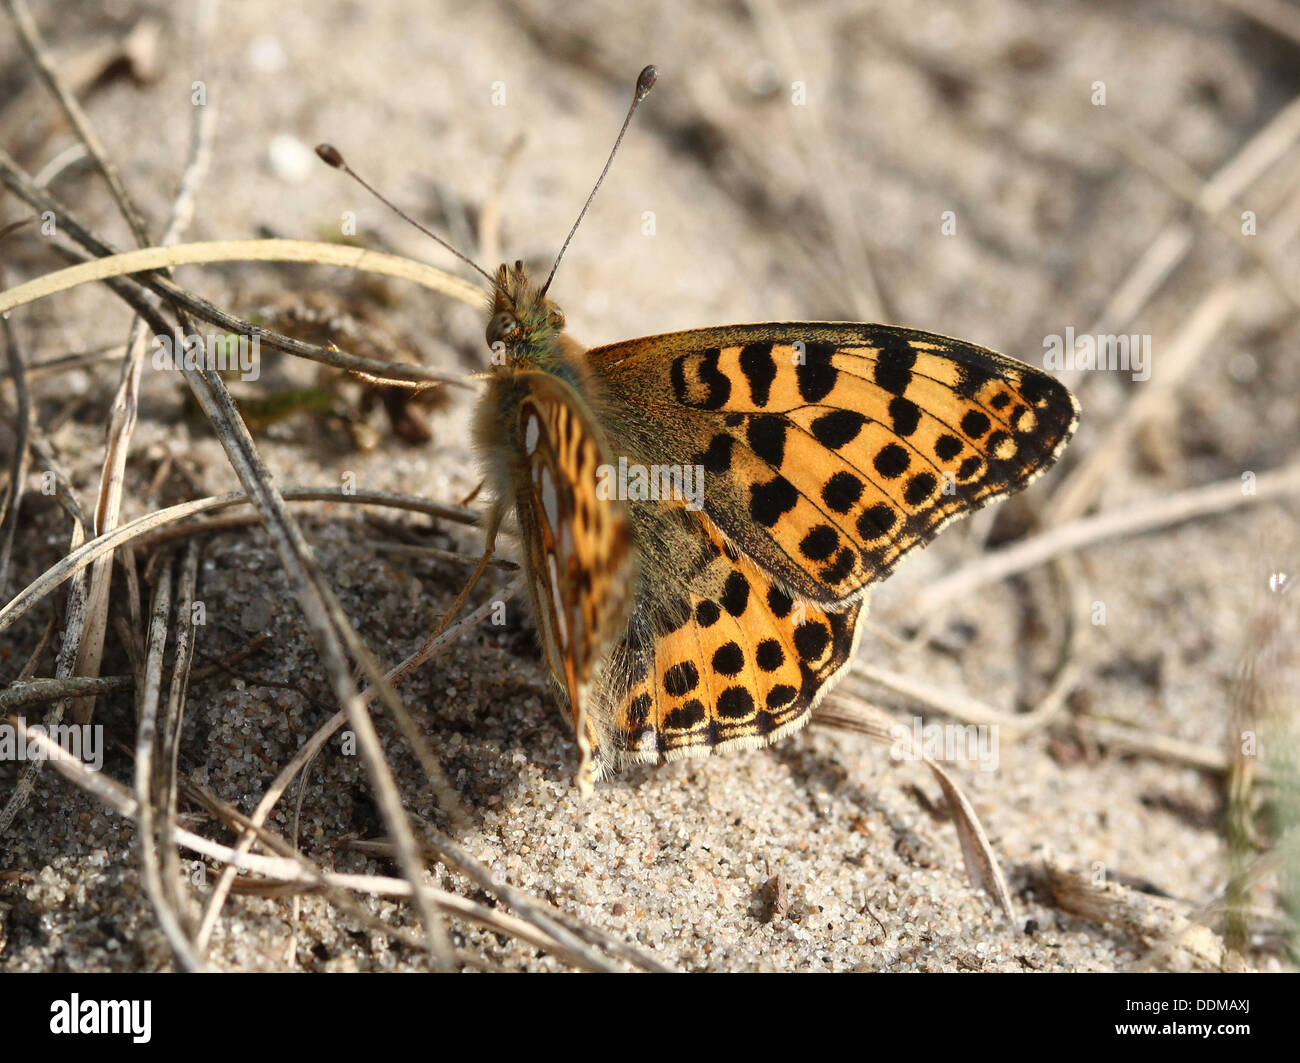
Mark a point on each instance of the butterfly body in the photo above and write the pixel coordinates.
(710, 597)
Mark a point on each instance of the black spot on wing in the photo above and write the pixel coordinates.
(876, 521)
(717, 459)
(819, 543)
(811, 640)
(839, 570)
(768, 502)
(780, 696)
(842, 491)
(710, 390)
(678, 376)
(729, 659)
(735, 703)
(759, 367)
(717, 382)
(681, 679)
(639, 711)
(947, 447)
(904, 415)
(769, 655)
(891, 461)
(684, 717)
(735, 594)
(766, 436)
(707, 613)
(816, 376)
(919, 488)
(837, 428)
(975, 423)
(894, 364)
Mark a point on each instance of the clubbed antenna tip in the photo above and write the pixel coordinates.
(645, 81)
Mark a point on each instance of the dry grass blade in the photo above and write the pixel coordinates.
(1173, 243)
(170, 741)
(85, 553)
(252, 250)
(108, 504)
(1282, 18)
(951, 702)
(13, 500)
(125, 409)
(65, 662)
(163, 898)
(1126, 739)
(842, 712)
(976, 850)
(1158, 922)
(1179, 177)
(1146, 516)
(1079, 489)
(131, 263)
(328, 624)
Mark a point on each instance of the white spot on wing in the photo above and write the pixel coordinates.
(531, 432)
(565, 545)
(559, 602)
(550, 501)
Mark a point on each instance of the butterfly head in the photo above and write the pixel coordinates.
(524, 326)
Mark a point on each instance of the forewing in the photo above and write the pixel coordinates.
(830, 450)
(577, 547)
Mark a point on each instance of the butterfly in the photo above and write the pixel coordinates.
(701, 513)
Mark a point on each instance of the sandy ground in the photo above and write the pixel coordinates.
(821, 853)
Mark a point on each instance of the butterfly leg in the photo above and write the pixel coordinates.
(426, 650)
(489, 545)
(473, 494)
(588, 760)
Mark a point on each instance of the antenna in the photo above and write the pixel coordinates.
(644, 83)
(333, 157)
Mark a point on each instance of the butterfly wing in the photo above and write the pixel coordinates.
(577, 548)
(717, 655)
(830, 450)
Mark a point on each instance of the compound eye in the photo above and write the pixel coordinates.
(557, 319)
(501, 327)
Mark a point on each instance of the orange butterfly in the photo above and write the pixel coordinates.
(702, 512)
(712, 597)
